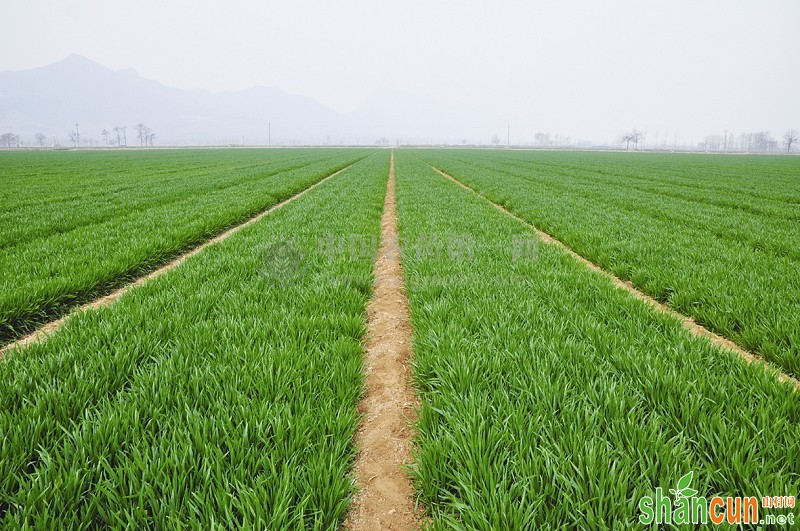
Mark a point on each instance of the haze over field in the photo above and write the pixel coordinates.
(328, 72)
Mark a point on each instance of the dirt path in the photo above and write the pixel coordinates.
(384, 437)
(50, 328)
(688, 323)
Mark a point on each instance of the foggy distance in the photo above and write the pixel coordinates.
(710, 75)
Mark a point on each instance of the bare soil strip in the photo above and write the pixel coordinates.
(688, 323)
(50, 328)
(384, 438)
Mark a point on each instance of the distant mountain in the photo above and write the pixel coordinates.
(51, 99)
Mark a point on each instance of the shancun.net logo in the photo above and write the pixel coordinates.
(684, 506)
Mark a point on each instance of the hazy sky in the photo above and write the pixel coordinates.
(585, 68)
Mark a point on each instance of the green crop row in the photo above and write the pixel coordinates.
(732, 270)
(551, 398)
(766, 225)
(48, 276)
(714, 174)
(222, 394)
(68, 176)
(42, 206)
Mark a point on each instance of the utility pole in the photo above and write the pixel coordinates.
(77, 136)
(725, 142)
(269, 133)
(508, 136)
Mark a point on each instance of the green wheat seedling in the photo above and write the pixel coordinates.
(716, 238)
(552, 399)
(76, 246)
(210, 396)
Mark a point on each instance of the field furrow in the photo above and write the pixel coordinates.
(385, 496)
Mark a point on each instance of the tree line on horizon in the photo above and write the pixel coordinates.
(116, 136)
(760, 141)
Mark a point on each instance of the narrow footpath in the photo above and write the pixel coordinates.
(385, 496)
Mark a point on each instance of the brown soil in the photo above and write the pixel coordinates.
(385, 499)
(48, 329)
(687, 322)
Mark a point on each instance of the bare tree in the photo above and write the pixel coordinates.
(143, 133)
(789, 138)
(627, 139)
(764, 141)
(150, 136)
(636, 137)
(542, 139)
(712, 143)
(124, 129)
(759, 141)
(40, 139)
(104, 132)
(9, 139)
(495, 139)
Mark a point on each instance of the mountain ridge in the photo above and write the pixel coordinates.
(50, 99)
